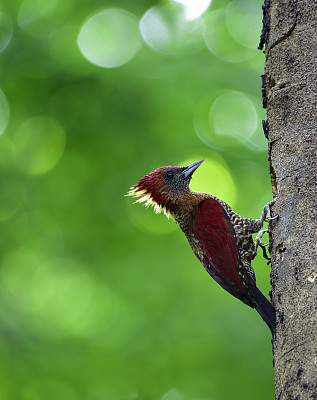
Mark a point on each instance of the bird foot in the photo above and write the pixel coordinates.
(265, 216)
(258, 242)
(266, 213)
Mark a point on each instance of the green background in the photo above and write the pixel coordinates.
(100, 298)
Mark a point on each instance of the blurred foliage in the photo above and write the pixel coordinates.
(100, 298)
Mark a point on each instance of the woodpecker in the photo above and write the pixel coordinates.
(220, 238)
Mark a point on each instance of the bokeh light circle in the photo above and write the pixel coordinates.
(233, 114)
(244, 22)
(110, 38)
(194, 8)
(38, 145)
(165, 29)
(6, 31)
(62, 297)
(58, 290)
(40, 18)
(4, 112)
(220, 42)
(214, 177)
(229, 119)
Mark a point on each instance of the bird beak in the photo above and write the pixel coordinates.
(191, 168)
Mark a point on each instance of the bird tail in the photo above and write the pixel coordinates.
(264, 308)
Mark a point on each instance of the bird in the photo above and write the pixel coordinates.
(220, 238)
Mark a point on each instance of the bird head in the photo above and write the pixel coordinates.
(165, 187)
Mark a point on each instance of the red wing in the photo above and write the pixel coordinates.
(215, 234)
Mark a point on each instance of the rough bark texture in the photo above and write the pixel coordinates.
(290, 94)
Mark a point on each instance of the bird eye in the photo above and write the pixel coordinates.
(170, 175)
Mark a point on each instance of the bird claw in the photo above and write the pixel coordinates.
(258, 242)
(265, 216)
(266, 213)
(272, 218)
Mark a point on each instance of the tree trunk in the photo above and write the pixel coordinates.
(290, 95)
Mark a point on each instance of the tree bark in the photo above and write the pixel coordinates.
(290, 95)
